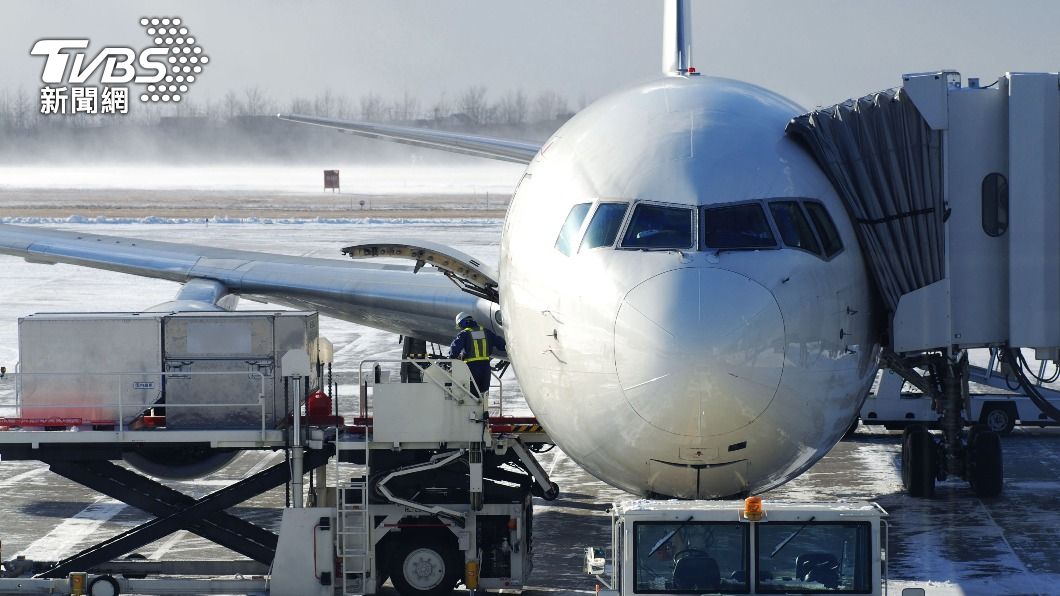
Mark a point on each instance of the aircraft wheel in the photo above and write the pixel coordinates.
(986, 473)
(918, 462)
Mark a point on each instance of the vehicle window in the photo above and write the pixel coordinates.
(654, 226)
(793, 227)
(825, 228)
(690, 557)
(603, 227)
(814, 558)
(995, 204)
(736, 226)
(568, 235)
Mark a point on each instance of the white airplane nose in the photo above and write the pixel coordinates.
(699, 352)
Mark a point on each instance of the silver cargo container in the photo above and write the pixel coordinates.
(222, 368)
(232, 358)
(80, 365)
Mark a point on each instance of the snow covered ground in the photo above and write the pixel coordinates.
(403, 179)
(954, 544)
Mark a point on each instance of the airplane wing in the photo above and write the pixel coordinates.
(453, 142)
(400, 299)
(389, 297)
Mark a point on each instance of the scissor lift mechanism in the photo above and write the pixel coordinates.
(88, 458)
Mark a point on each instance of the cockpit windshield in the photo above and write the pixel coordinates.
(736, 226)
(793, 227)
(603, 227)
(656, 226)
(568, 235)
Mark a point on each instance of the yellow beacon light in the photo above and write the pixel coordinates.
(752, 509)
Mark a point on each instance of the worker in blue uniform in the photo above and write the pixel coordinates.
(473, 345)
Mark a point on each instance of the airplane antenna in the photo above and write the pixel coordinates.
(677, 38)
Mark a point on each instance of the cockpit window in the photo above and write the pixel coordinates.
(565, 243)
(737, 226)
(655, 226)
(603, 227)
(793, 227)
(825, 228)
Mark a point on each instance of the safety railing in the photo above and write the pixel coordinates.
(122, 407)
(460, 390)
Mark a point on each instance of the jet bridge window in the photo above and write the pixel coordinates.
(568, 235)
(793, 227)
(656, 226)
(736, 226)
(813, 557)
(825, 228)
(690, 557)
(603, 227)
(995, 204)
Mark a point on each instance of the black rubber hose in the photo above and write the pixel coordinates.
(1017, 363)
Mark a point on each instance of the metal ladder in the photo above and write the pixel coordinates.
(353, 536)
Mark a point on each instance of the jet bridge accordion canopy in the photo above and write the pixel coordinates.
(955, 194)
(886, 164)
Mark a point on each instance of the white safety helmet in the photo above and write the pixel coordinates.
(460, 319)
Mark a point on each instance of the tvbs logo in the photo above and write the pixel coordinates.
(119, 64)
(166, 70)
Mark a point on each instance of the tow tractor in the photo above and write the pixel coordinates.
(743, 547)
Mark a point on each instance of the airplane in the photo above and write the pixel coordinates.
(681, 290)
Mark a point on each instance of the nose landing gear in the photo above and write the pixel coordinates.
(974, 456)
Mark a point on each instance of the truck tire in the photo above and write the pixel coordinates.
(986, 473)
(425, 565)
(918, 462)
(1000, 418)
(103, 585)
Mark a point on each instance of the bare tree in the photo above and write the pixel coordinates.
(512, 108)
(343, 108)
(300, 105)
(6, 115)
(441, 108)
(24, 114)
(406, 108)
(324, 104)
(371, 107)
(548, 106)
(232, 106)
(473, 104)
(256, 102)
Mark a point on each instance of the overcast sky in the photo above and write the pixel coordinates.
(816, 52)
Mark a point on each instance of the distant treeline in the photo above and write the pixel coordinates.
(242, 126)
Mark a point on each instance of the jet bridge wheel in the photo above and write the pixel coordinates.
(919, 454)
(985, 470)
(1000, 418)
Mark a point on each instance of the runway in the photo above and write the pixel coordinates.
(953, 544)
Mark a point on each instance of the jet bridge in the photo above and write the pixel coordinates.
(954, 190)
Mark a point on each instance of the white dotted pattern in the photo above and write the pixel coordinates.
(185, 57)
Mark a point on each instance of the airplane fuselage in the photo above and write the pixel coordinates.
(680, 323)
